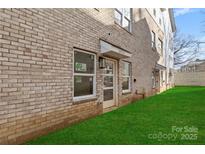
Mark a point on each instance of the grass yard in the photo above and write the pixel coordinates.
(172, 117)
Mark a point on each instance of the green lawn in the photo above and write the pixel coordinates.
(142, 122)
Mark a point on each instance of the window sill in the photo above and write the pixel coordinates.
(126, 92)
(77, 101)
(123, 28)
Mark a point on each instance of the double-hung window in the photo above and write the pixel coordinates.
(126, 74)
(123, 17)
(84, 74)
(155, 12)
(160, 46)
(153, 39)
(160, 21)
(153, 81)
(162, 78)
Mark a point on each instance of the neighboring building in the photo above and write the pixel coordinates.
(194, 66)
(169, 29)
(61, 66)
(162, 26)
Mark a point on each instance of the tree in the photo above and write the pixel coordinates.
(185, 49)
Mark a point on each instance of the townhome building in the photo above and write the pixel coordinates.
(62, 66)
(154, 16)
(193, 66)
(162, 26)
(169, 29)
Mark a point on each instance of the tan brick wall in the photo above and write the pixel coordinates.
(200, 67)
(36, 65)
(143, 55)
(190, 78)
(32, 126)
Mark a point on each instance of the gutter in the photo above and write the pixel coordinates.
(171, 15)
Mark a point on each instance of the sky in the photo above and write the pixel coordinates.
(192, 22)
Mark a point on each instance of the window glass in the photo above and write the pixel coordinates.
(126, 77)
(160, 46)
(108, 94)
(84, 63)
(84, 74)
(153, 81)
(125, 83)
(126, 24)
(83, 85)
(120, 9)
(127, 13)
(160, 21)
(153, 39)
(118, 17)
(123, 17)
(109, 68)
(126, 69)
(108, 81)
(154, 12)
(162, 77)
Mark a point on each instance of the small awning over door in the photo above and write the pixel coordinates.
(113, 51)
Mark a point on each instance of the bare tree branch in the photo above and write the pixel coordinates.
(185, 48)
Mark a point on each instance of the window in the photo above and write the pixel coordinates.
(84, 74)
(154, 12)
(153, 81)
(160, 46)
(118, 17)
(160, 21)
(153, 40)
(162, 78)
(126, 83)
(123, 18)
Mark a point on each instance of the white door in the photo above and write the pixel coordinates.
(109, 88)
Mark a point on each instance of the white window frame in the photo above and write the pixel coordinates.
(79, 98)
(123, 17)
(127, 76)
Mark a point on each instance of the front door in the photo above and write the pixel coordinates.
(109, 85)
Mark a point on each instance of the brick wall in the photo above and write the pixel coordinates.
(36, 66)
(190, 78)
(200, 67)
